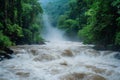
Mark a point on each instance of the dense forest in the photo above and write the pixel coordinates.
(55, 8)
(93, 21)
(59, 39)
(19, 22)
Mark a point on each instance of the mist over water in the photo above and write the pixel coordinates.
(64, 60)
(51, 33)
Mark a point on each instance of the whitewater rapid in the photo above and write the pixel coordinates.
(60, 61)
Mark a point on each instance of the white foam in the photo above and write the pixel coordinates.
(52, 69)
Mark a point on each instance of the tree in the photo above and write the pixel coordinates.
(16, 17)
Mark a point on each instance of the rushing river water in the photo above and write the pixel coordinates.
(60, 61)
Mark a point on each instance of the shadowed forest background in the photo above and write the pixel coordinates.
(92, 21)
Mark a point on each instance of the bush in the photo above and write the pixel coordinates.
(86, 34)
(117, 39)
(4, 40)
(39, 39)
(27, 36)
(14, 30)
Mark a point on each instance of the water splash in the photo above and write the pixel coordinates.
(60, 61)
(51, 33)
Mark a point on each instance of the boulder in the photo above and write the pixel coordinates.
(117, 55)
(67, 53)
(8, 50)
(5, 54)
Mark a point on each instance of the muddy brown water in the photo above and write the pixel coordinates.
(60, 61)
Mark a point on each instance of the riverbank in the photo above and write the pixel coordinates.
(5, 53)
(107, 47)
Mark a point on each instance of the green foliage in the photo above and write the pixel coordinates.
(55, 9)
(38, 39)
(73, 19)
(61, 20)
(35, 28)
(86, 35)
(70, 25)
(117, 39)
(18, 22)
(31, 37)
(4, 41)
(101, 25)
(27, 36)
(27, 8)
(1, 26)
(14, 30)
(95, 21)
(116, 3)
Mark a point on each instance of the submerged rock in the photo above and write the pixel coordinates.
(64, 63)
(96, 77)
(117, 55)
(74, 76)
(82, 76)
(44, 57)
(3, 79)
(67, 53)
(107, 47)
(5, 54)
(23, 74)
(8, 50)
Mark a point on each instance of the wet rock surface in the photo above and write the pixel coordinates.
(6, 53)
(117, 56)
(82, 76)
(23, 74)
(67, 53)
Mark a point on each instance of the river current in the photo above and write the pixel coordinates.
(64, 60)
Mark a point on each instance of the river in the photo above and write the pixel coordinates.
(59, 59)
(63, 60)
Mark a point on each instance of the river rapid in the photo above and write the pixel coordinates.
(64, 60)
